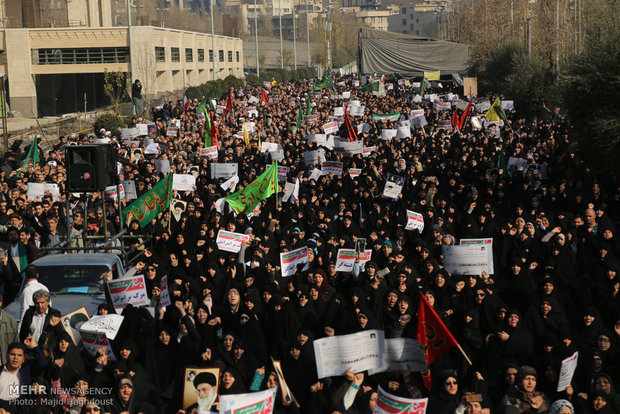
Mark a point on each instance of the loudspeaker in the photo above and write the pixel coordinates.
(90, 167)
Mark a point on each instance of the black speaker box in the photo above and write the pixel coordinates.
(90, 167)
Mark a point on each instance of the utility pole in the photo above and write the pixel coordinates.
(557, 37)
(281, 47)
(132, 74)
(294, 39)
(3, 109)
(308, 31)
(256, 37)
(212, 35)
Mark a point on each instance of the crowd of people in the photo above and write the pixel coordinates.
(554, 289)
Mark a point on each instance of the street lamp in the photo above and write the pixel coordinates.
(256, 37)
(281, 47)
(212, 36)
(308, 30)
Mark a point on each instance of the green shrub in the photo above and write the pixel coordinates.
(110, 122)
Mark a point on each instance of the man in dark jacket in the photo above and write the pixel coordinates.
(17, 371)
(40, 319)
(136, 96)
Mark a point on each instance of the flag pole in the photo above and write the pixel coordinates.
(464, 354)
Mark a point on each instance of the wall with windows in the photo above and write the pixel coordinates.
(167, 61)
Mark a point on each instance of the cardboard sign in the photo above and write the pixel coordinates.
(128, 291)
(224, 170)
(290, 260)
(330, 127)
(230, 241)
(164, 293)
(35, 190)
(345, 260)
(93, 341)
(332, 167)
(107, 324)
(415, 221)
(209, 152)
(183, 182)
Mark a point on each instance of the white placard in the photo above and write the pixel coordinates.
(403, 354)
(461, 104)
(224, 170)
(332, 167)
(483, 242)
(108, 324)
(393, 186)
(388, 133)
(359, 351)
(315, 174)
(482, 106)
(163, 166)
(330, 127)
(345, 260)
(261, 402)
(470, 259)
(339, 111)
(443, 106)
(277, 155)
(128, 291)
(93, 341)
(348, 147)
(130, 189)
(269, 147)
(35, 190)
(569, 365)
(414, 221)
(314, 157)
(318, 138)
(230, 241)
(164, 293)
(289, 260)
(209, 152)
(183, 182)
(127, 133)
(357, 110)
(403, 132)
(419, 121)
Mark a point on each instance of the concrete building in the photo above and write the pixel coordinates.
(57, 51)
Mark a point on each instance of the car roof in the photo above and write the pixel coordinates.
(107, 259)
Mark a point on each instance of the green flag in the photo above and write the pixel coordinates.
(212, 98)
(244, 201)
(202, 107)
(370, 87)
(32, 156)
(147, 207)
(423, 86)
(208, 128)
(300, 117)
(394, 116)
(309, 107)
(326, 82)
(502, 164)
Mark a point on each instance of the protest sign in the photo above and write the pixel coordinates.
(419, 121)
(415, 113)
(128, 291)
(443, 106)
(209, 152)
(366, 151)
(414, 221)
(289, 260)
(332, 167)
(268, 147)
(183, 182)
(219, 109)
(314, 157)
(224, 170)
(365, 258)
(444, 124)
(359, 351)
(345, 260)
(73, 321)
(393, 186)
(163, 166)
(261, 402)
(112, 192)
(315, 174)
(469, 259)
(354, 172)
(210, 376)
(357, 110)
(388, 133)
(403, 354)
(108, 324)
(164, 293)
(230, 241)
(569, 365)
(330, 127)
(127, 133)
(339, 111)
(318, 138)
(35, 190)
(392, 404)
(287, 396)
(348, 147)
(403, 132)
(93, 341)
(172, 131)
(483, 242)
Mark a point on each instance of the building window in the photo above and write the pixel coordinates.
(417, 21)
(403, 10)
(79, 56)
(380, 19)
(417, 32)
(237, 52)
(221, 55)
(230, 55)
(175, 55)
(201, 55)
(405, 22)
(189, 54)
(411, 26)
(160, 54)
(210, 56)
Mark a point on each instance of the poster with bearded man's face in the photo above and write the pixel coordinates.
(200, 388)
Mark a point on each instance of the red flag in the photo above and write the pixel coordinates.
(186, 103)
(464, 116)
(347, 121)
(455, 119)
(264, 97)
(432, 334)
(229, 107)
(215, 134)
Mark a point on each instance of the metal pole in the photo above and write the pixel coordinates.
(329, 39)
(105, 218)
(511, 16)
(212, 35)
(132, 74)
(308, 32)
(3, 109)
(557, 36)
(281, 47)
(294, 39)
(256, 37)
(529, 37)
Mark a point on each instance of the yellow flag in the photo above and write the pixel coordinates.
(246, 137)
(495, 112)
(260, 142)
(433, 75)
